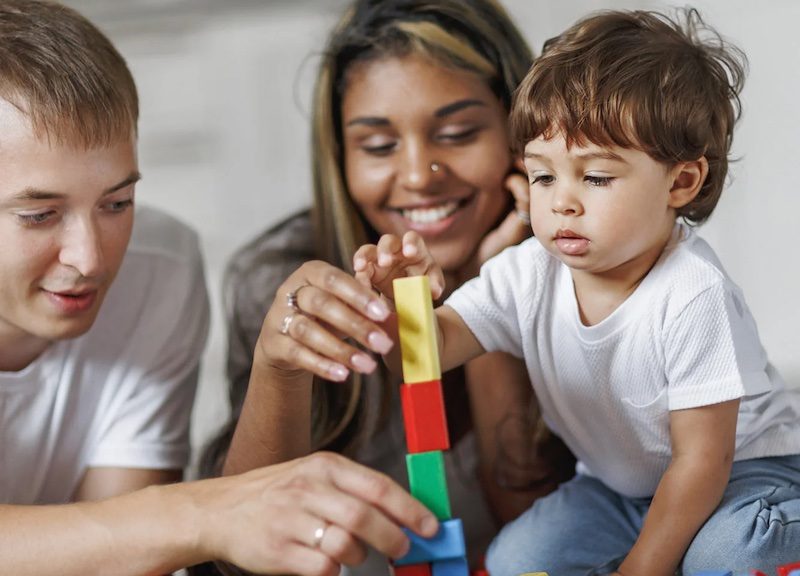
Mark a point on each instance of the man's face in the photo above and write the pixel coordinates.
(65, 220)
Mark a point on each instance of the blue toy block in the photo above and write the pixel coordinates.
(714, 573)
(447, 544)
(453, 567)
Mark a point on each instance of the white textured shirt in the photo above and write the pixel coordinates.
(684, 339)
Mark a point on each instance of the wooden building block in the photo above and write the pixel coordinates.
(412, 570)
(452, 567)
(428, 482)
(418, 344)
(446, 544)
(789, 569)
(424, 417)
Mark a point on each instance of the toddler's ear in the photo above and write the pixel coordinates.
(688, 178)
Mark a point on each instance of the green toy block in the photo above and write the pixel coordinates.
(428, 482)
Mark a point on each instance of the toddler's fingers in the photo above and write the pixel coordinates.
(364, 256)
(422, 262)
(389, 248)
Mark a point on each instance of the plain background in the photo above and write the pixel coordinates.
(225, 89)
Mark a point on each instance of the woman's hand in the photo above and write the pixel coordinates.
(377, 265)
(306, 516)
(513, 229)
(316, 309)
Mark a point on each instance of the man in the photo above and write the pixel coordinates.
(102, 323)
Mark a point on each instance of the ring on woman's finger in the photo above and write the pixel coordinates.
(319, 534)
(524, 216)
(287, 322)
(291, 297)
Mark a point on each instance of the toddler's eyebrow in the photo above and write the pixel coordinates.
(589, 155)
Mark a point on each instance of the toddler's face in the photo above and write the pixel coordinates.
(600, 210)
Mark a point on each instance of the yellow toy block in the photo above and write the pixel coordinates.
(534, 574)
(418, 346)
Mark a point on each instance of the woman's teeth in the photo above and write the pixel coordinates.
(430, 215)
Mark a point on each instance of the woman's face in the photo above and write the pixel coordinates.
(426, 149)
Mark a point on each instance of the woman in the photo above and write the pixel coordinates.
(409, 132)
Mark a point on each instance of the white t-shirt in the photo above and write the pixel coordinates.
(121, 394)
(685, 338)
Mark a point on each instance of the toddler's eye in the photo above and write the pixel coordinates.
(541, 179)
(599, 180)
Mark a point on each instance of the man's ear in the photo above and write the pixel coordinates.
(687, 179)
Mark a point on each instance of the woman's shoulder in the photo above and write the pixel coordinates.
(257, 269)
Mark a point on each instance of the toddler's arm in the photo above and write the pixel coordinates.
(377, 265)
(703, 442)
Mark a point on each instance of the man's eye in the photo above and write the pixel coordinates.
(36, 219)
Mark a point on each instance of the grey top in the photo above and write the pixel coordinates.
(254, 275)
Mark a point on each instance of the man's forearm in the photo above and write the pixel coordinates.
(686, 497)
(148, 532)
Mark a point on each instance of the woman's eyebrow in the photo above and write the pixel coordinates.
(456, 106)
(369, 121)
(442, 112)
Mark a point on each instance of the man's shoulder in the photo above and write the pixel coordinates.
(159, 235)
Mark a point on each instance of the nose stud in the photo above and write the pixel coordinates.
(435, 167)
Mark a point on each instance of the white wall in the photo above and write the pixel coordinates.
(224, 136)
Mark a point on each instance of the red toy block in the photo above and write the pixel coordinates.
(424, 417)
(788, 569)
(412, 570)
(480, 572)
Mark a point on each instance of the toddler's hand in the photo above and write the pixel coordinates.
(393, 257)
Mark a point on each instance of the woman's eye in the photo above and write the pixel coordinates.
(460, 136)
(378, 145)
(541, 179)
(598, 180)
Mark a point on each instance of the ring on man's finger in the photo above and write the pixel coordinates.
(291, 297)
(287, 322)
(319, 534)
(524, 216)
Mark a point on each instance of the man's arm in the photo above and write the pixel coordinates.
(703, 443)
(264, 521)
(101, 483)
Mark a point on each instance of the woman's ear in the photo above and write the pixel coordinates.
(688, 179)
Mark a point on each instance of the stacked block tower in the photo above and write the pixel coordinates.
(426, 434)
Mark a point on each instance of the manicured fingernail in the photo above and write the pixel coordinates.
(384, 260)
(338, 372)
(363, 363)
(379, 342)
(429, 525)
(377, 310)
(409, 250)
(359, 263)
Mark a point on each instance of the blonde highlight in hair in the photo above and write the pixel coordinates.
(62, 73)
(472, 35)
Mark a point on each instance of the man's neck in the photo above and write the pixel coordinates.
(17, 352)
